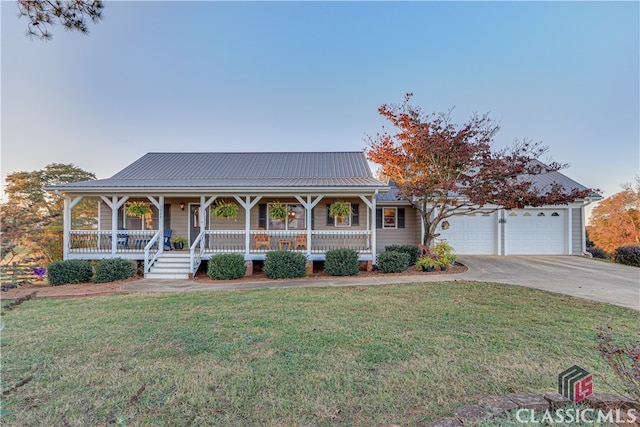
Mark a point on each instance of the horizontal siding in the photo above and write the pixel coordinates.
(576, 231)
(410, 235)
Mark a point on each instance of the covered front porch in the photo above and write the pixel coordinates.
(306, 229)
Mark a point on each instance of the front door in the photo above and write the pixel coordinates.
(194, 221)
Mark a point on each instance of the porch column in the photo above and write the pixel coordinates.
(114, 204)
(66, 226)
(371, 226)
(247, 204)
(308, 205)
(374, 241)
(159, 204)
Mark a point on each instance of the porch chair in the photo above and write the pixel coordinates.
(260, 240)
(300, 241)
(167, 238)
(122, 239)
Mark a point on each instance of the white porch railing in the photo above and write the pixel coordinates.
(262, 241)
(100, 241)
(151, 252)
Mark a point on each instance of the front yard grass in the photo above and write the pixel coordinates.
(361, 356)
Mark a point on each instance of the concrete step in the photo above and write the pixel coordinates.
(170, 263)
(166, 276)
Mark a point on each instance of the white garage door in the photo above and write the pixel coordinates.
(470, 234)
(535, 232)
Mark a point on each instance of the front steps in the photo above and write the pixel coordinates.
(170, 265)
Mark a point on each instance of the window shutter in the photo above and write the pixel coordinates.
(355, 214)
(313, 218)
(378, 217)
(262, 215)
(330, 220)
(400, 218)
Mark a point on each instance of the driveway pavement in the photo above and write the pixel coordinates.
(571, 275)
(576, 276)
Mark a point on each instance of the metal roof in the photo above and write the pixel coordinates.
(542, 182)
(239, 170)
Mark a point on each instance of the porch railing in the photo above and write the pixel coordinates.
(262, 241)
(100, 241)
(219, 241)
(151, 252)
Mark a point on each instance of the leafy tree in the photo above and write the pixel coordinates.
(445, 169)
(615, 221)
(72, 15)
(31, 220)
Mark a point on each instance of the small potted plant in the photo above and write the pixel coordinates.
(179, 242)
(446, 261)
(226, 210)
(339, 209)
(426, 263)
(138, 209)
(277, 211)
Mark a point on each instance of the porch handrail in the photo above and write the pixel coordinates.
(147, 249)
(195, 252)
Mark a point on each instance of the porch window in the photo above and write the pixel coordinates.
(354, 221)
(133, 223)
(296, 218)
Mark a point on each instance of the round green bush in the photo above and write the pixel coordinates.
(412, 250)
(114, 269)
(393, 262)
(69, 271)
(284, 265)
(341, 262)
(226, 267)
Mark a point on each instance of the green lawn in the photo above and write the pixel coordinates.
(360, 356)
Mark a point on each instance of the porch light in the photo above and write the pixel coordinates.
(181, 206)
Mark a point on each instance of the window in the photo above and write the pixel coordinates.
(296, 218)
(354, 221)
(389, 218)
(555, 214)
(133, 223)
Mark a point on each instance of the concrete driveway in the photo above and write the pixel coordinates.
(576, 276)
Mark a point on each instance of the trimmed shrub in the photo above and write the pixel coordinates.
(284, 264)
(412, 250)
(628, 255)
(597, 252)
(341, 262)
(70, 271)
(226, 267)
(393, 262)
(114, 269)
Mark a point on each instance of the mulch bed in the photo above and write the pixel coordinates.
(83, 290)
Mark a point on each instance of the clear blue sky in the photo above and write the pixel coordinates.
(247, 76)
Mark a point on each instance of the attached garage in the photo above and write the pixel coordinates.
(471, 234)
(535, 232)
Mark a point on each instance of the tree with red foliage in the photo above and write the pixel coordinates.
(615, 221)
(446, 170)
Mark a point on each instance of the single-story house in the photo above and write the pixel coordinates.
(182, 190)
